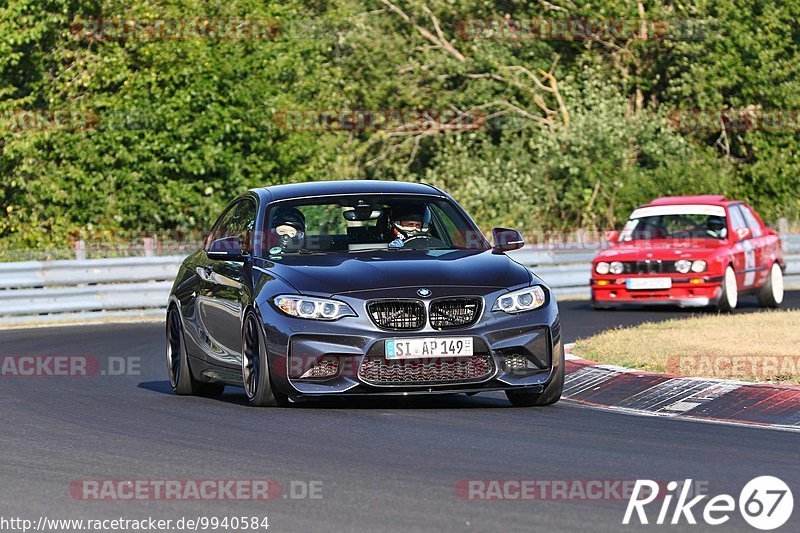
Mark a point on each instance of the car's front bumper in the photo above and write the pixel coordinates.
(608, 292)
(295, 346)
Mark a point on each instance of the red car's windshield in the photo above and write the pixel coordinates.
(676, 222)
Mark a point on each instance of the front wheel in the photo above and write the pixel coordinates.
(255, 366)
(771, 294)
(730, 292)
(550, 395)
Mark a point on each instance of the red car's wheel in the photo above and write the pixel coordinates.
(771, 294)
(730, 292)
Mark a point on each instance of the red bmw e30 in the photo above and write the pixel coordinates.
(690, 251)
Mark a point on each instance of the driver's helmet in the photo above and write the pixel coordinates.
(289, 226)
(716, 225)
(410, 221)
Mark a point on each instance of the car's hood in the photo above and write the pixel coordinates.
(341, 273)
(660, 249)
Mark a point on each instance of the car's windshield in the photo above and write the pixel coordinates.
(676, 222)
(350, 224)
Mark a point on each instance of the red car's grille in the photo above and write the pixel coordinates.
(649, 266)
(380, 371)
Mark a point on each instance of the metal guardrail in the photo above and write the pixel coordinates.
(573, 279)
(110, 286)
(141, 284)
(96, 271)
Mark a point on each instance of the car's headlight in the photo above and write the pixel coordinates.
(616, 267)
(699, 266)
(313, 308)
(601, 268)
(519, 301)
(683, 266)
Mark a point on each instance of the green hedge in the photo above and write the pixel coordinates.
(162, 133)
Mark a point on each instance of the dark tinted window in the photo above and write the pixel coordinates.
(238, 221)
(354, 224)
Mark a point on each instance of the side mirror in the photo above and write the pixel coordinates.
(227, 249)
(612, 236)
(506, 240)
(743, 234)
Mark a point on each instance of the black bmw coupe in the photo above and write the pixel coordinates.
(340, 288)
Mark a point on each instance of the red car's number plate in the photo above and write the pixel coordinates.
(648, 283)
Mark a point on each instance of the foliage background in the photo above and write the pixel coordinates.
(183, 126)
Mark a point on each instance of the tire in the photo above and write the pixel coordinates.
(178, 367)
(730, 292)
(255, 368)
(771, 294)
(550, 395)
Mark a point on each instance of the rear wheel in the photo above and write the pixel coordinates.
(550, 395)
(771, 294)
(730, 292)
(255, 368)
(178, 368)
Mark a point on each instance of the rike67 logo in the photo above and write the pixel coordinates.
(765, 503)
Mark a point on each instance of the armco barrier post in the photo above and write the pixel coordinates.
(80, 250)
(149, 247)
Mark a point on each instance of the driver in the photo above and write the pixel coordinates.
(409, 222)
(716, 227)
(289, 226)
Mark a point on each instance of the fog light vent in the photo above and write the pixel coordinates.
(519, 364)
(324, 368)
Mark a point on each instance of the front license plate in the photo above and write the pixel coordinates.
(418, 347)
(648, 283)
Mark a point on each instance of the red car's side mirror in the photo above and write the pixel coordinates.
(612, 236)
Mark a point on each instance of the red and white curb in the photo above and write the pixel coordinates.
(713, 400)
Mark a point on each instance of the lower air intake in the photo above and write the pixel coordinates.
(380, 371)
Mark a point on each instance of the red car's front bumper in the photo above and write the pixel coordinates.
(697, 292)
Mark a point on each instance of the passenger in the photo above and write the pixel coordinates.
(288, 226)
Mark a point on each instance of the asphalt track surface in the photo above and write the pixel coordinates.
(384, 465)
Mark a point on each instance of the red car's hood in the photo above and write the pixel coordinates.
(660, 249)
